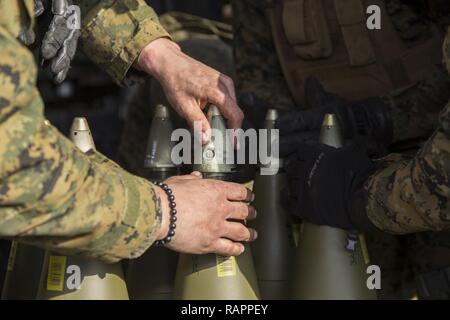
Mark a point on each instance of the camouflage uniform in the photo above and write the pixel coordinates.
(415, 111)
(257, 68)
(51, 194)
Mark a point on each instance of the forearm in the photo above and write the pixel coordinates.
(415, 110)
(53, 195)
(413, 195)
(115, 32)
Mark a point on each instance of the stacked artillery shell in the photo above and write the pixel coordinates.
(214, 277)
(61, 274)
(273, 251)
(330, 263)
(23, 272)
(152, 276)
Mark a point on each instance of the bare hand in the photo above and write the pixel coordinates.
(190, 85)
(209, 215)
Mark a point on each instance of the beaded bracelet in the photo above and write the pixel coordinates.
(173, 214)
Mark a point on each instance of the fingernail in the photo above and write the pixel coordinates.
(205, 137)
(251, 213)
(250, 196)
(242, 250)
(197, 174)
(253, 235)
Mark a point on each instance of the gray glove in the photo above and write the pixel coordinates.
(60, 41)
(28, 36)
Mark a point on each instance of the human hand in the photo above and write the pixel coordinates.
(190, 85)
(210, 215)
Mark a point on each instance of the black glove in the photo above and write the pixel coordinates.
(367, 119)
(326, 185)
(60, 41)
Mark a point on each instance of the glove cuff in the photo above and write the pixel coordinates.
(372, 117)
(358, 211)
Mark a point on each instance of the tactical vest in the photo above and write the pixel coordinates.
(329, 39)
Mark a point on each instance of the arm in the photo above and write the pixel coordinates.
(415, 110)
(54, 196)
(119, 35)
(114, 33)
(411, 196)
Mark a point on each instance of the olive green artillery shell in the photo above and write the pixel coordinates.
(324, 268)
(23, 272)
(159, 143)
(97, 280)
(213, 277)
(216, 152)
(152, 276)
(273, 251)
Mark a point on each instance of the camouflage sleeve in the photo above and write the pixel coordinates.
(53, 195)
(414, 195)
(115, 32)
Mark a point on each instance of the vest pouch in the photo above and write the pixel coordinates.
(306, 29)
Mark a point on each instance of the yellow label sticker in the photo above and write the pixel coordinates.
(56, 270)
(365, 252)
(226, 266)
(12, 256)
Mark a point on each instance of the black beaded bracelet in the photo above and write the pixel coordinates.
(173, 214)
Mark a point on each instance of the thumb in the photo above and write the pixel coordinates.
(192, 176)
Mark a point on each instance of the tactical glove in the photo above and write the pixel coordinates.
(368, 119)
(60, 41)
(326, 185)
(28, 36)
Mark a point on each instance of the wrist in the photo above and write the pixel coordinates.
(165, 213)
(154, 56)
(372, 117)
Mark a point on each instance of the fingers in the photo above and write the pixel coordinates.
(54, 37)
(27, 37)
(227, 247)
(223, 96)
(38, 8)
(59, 7)
(196, 174)
(237, 192)
(238, 232)
(61, 63)
(193, 176)
(195, 117)
(241, 211)
(60, 76)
